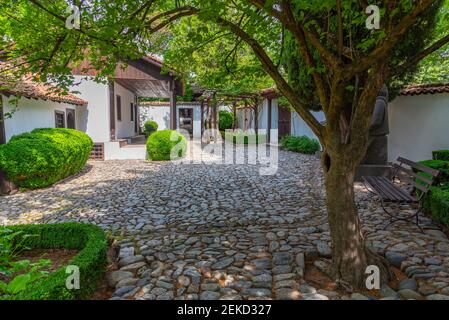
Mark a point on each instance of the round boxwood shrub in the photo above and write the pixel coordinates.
(166, 145)
(44, 156)
(225, 120)
(150, 126)
(90, 240)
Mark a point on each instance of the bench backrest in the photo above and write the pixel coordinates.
(420, 181)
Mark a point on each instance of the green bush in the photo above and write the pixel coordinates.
(302, 144)
(238, 136)
(91, 259)
(225, 120)
(436, 203)
(44, 156)
(441, 165)
(440, 155)
(149, 127)
(166, 145)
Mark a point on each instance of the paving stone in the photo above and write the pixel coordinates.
(209, 295)
(395, 258)
(386, 291)
(409, 294)
(222, 263)
(408, 284)
(195, 225)
(130, 260)
(288, 294)
(117, 276)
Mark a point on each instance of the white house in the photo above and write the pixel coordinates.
(107, 111)
(111, 116)
(27, 105)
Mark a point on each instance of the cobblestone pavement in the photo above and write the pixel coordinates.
(208, 231)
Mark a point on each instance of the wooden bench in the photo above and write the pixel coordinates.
(390, 192)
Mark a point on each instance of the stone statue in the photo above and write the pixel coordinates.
(379, 121)
(375, 162)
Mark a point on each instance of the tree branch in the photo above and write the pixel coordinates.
(271, 69)
(382, 51)
(415, 59)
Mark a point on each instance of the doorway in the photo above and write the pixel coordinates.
(186, 119)
(284, 122)
(71, 118)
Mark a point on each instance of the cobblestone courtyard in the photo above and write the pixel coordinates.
(208, 231)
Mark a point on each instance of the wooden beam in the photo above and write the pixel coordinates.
(111, 111)
(173, 122)
(202, 117)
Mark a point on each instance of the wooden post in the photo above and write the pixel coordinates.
(111, 111)
(256, 116)
(208, 124)
(173, 122)
(215, 107)
(269, 121)
(202, 117)
(234, 110)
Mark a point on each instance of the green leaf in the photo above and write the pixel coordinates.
(19, 283)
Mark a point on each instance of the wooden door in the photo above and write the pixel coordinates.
(284, 122)
(71, 118)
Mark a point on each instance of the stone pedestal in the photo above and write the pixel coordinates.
(376, 160)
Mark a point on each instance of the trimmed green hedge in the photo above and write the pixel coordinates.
(91, 259)
(149, 127)
(225, 120)
(436, 203)
(161, 145)
(42, 157)
(302, 144)
(441, 165)
(440, 155)
(237, 137)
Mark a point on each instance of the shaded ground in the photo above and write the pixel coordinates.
(208, 231)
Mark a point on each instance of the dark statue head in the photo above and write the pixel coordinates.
(383, 92)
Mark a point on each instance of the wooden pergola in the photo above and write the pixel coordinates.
(234, 99)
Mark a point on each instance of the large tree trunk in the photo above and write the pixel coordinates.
(350, 256)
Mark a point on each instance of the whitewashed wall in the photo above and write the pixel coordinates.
(124, 128)
(418, 125)
(31, 114)
(159, 114)
(300, 128)
(93, 119)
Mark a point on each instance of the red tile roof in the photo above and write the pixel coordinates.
(28, 88)
(424, 89)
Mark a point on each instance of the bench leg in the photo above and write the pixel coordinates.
(393, 219)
